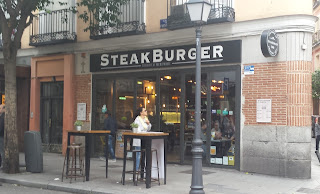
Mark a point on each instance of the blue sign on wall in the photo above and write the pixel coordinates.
(163, 23)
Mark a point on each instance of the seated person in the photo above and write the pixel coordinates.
(216, 132)
(230, 130)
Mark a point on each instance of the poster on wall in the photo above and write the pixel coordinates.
(81, 111)
(263, 110)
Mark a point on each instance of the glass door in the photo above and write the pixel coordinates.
(222, 114)
(190, 113)
(170, 102)
(124, 101)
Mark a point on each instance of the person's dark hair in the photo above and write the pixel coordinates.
(139, 110)
(107, 113)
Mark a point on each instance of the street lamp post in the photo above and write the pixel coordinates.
(199, 11)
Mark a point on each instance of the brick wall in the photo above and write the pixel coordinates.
(299, 76)
(82, 89)
(287, 84)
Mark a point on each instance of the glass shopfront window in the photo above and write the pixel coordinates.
(169, 98)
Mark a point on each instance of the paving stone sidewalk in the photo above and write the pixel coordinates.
(215, 180)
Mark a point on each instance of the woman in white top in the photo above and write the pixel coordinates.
(144, 125)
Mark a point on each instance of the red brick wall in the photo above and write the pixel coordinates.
(299, 75)
(82, 89)
(287, 84)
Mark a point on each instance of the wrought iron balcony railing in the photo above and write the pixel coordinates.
(53, 28)
(316, 39)
(178, 16)
(131, 22)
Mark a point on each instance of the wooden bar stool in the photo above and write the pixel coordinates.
(143, 171)
(75, 169)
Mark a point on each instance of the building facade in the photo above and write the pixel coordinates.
(259, 103)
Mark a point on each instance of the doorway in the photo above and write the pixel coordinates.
(51, 121)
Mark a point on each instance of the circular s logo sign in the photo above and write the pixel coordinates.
(269, 43)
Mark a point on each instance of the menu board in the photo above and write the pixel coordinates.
(263, 110)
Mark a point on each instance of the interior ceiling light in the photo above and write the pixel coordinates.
(220, 82)
(215, 88)
(167, 77)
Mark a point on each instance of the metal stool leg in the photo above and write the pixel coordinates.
(64, 166)
(157, 166)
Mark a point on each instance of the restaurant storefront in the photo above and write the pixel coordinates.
(162, 80)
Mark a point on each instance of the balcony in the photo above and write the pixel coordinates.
(54, 27)
(131, 22)
(316, 39)
(178, 16)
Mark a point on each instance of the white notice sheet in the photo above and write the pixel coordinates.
(263, 110)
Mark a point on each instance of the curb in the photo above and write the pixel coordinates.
(48, 186)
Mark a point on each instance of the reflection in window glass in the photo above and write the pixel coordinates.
(146, 98)
(170, 113)
(103, 97)
(104, 92)
(124, 103)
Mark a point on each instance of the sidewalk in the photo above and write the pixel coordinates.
(215, 180)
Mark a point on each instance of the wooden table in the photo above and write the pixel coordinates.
(146, 139)
(88, 134)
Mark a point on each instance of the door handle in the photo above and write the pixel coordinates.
(50, 122)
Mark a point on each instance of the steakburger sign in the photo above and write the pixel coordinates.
(211, 53)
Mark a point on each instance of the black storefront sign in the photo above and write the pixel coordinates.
(269, 43)
(211, 53)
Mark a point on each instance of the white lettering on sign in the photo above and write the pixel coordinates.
(157, 55)
(192, 54)
(217, 50)
(205, 52)
(134, 59)
(167, 55)
(104, 60)
(180, 54)
(123, 59)
(144, 57)
(114, 59)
